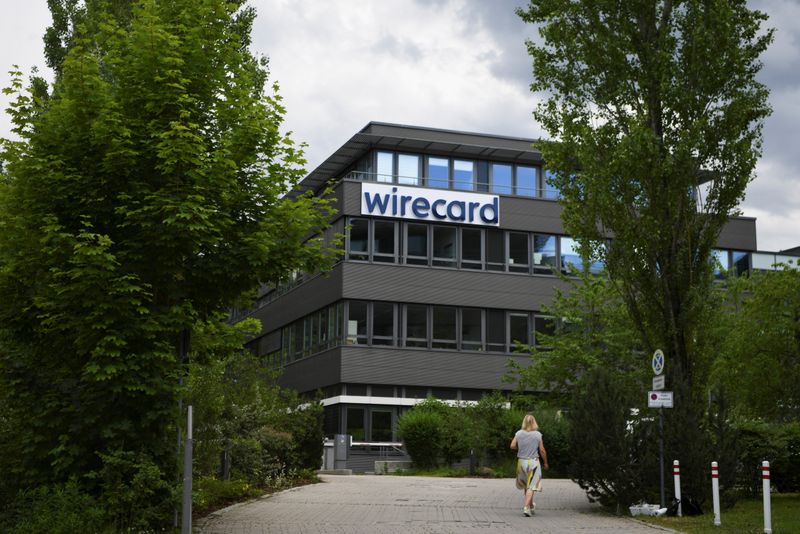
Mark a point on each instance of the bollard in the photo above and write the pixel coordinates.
(767, 498)
(676, 473)
(715, 492)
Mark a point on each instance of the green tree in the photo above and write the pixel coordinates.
(592, 329)
(145, 195)
(759, 361)
(646, 101)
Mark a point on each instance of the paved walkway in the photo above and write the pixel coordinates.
(400, 505)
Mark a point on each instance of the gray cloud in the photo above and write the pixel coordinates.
(457, 64)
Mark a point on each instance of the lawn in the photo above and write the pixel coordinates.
(745, 517)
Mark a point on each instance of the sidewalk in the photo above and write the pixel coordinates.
(395, 505)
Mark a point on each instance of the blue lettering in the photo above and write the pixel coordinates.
(437, 203)
(461, 210)
(382, 204)
(394, 201)
(472, 206)
(420, 207)
(495, 210)
(403, 201)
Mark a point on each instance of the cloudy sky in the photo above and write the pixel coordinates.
(455, 64)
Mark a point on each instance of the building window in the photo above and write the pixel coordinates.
(417, 244)
(544, 254)
(385, 167)
(518, 252)
(471, 329)
(548, 190)
(408, 169)
(439, 173)
(380, 425)
(355, 423)
(356, 322)
(741, 262)
(542, 326)
(444, 327)
(502, 177)
(383, 242)
(383, 322)
(526, 181)
(519, 331)
(358, 247)
(495, 330)
(569, 254)
(495, 250)
(471, 248)
(444, 246)
(416, 325)
(721, 263)
(463, 175)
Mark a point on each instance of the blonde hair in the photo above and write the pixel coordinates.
(529, 423)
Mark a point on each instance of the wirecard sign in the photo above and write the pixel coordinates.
(386, 200)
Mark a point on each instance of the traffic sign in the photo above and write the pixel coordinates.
(658, 382)
(658, 362)
(659, 399)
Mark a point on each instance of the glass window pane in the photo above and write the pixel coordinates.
(381, 425)
(543, 325)
(444, 327)
(471, 337)
(518, 252)
(483, 176)
(518, 329)
(355, 423)
(495, 330)
(471, 257)
(385, 167)
(463, 175)
(741, 262)
(548, 190)
(439, 173)
(444, 246)
(408, 169)
(501, 179)
(569, 254)
(416, 325)
(721, 262)
(544, 253)
(383, 323)
(526, 181)
(417, 244)
(357, 323)
(495, 250)
(359, 239)
(383, 248)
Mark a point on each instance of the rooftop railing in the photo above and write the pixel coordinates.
(454, 185)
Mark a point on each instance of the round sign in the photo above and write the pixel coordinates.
(658, 362)
(654, 396)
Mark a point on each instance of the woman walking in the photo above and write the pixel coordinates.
(530, 447)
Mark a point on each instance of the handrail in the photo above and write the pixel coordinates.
(422, 181)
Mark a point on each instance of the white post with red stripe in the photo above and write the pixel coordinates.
(767, 498)
(676, 473)
(715, 492)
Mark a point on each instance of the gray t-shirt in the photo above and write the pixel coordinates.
(528, 443)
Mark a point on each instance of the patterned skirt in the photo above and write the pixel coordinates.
(529, 474)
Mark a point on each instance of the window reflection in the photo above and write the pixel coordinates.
(385, 167)
(439, 173)
(408, 169)
(544, 253)
(502, 177)
(463, 175)
(444, 246)
(526, 181)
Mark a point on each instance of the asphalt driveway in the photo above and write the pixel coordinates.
(394, 504)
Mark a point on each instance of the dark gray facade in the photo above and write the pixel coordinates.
(426, 307)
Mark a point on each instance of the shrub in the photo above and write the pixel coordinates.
(421, 432)
(493, 427)
(777, 444)
(59, 509)
(305, 426)
(134, 492)
(555, 430)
